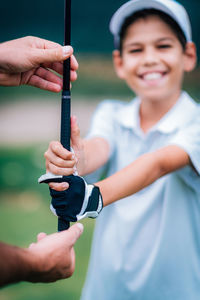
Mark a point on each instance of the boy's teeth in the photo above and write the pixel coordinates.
(152, 76)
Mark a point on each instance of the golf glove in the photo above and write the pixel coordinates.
(80, 200)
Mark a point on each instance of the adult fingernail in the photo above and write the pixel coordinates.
(80, 226)
(66, 50)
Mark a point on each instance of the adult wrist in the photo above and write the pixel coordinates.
(36, 268)
(16, 264)
(30, 266)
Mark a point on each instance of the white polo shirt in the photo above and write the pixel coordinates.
(147, 246)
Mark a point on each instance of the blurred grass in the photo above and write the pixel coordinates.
(24, 212)
(20, 168)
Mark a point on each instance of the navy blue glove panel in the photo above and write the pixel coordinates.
(79, 201)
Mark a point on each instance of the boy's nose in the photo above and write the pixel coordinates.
(150, 57)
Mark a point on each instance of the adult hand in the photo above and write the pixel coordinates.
(53, 255)
(32, 61)
(48, 260)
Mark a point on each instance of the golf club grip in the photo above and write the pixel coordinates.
(65, 133)
(67, 42)
(65, 138)
(62, 224)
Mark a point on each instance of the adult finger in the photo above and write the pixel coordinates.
(73, 233)
(43, 84)
(40, 56)
(73, 63)
(40, 236)
(48, 75)
(58, 68)
(42, 78)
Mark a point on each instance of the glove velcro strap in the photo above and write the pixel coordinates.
(95, 202)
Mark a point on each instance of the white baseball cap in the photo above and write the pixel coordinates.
(172, 8)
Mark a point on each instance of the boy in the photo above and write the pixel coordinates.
(147, 245)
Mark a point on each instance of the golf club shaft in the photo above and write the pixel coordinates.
(65, 133)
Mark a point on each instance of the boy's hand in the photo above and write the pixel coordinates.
(80, 200)
(78, 146)
(60, 161)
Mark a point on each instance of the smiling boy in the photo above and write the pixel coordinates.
(147, 245)
(152, 62)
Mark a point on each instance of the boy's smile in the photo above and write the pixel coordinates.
(152, 78)
(152, 60)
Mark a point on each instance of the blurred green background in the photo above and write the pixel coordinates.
(29, 119)
(90, 21)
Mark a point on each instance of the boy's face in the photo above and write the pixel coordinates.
(152, 60)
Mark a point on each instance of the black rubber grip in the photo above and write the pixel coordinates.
(65, 135)
(62, 224)
(65, 132)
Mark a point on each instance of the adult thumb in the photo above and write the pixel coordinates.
(74, 232)
(56, 54)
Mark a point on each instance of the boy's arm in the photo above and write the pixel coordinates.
(139, 174)
(80, 200)
(96, 152)
(142, 172)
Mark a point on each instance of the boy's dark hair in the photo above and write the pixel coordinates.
(142, 14)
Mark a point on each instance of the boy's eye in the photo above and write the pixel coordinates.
(164, 46)
(135, 50)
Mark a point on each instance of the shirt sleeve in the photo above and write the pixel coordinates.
(188, 138)
(102, 124)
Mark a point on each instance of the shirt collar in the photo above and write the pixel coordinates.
(178, 115)
(128, 116)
